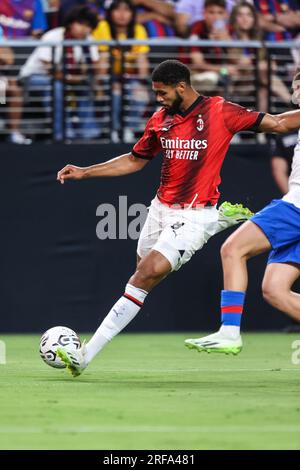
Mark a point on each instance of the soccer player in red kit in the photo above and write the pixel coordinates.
(194, 133)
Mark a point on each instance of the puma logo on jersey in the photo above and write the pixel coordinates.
(167, 124)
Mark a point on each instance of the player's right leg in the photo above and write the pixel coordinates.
(164, 246)
(248, 241)
(150, 271)
(152, 267)
(127, 307)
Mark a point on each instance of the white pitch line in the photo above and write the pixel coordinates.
(148, 429)
(201, 370)
(138, 371)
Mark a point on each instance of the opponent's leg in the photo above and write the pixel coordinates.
(248, 241)
(245, 243)
(277, 283)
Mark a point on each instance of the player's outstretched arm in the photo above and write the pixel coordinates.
(122, 165)
(280, 123)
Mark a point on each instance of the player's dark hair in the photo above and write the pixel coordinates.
(171, 72)
(81, 14)
(215, 3)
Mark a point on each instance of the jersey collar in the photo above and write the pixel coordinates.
(192, 107)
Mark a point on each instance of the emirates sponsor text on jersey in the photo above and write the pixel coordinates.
(182, 149)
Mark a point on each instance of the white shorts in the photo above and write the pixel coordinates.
(176, 233)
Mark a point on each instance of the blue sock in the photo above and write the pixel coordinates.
(232, 303)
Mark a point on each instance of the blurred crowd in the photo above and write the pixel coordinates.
(80, 76)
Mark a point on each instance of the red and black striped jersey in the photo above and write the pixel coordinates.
(194, 145)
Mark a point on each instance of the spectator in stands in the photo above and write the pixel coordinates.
(279, 19)
(66, 5)
(191, 11)
(73, 69)
(21, 19)
(211, 62)
(51, 10)
(244, 26)
(157, 16)
(121, 24)
(13, 92)
(18, 20)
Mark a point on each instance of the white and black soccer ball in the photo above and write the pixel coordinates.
(54, 338)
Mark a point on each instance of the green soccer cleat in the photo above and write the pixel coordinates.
(232, 214)
(217, 343)
(74, 360)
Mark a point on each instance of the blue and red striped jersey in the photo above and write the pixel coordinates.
(19, 18)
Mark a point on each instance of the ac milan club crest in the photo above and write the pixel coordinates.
(200, 123)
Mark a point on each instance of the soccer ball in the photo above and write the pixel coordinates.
(53, 339)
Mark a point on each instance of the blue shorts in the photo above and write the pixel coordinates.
(280, 222)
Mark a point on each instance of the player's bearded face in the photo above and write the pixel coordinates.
(168, 97)
(175, 105)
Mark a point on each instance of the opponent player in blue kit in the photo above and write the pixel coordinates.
(277, 228)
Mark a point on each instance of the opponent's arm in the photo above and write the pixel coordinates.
(122, 165)
(280, 123)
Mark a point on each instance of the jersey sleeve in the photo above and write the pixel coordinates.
(148, 146)
(237, 118)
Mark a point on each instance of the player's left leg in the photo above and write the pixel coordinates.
(232, 214)
(228, 215)
(277, 284)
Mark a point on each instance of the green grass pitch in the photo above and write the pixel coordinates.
(147, 391)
